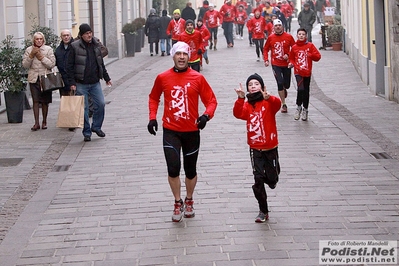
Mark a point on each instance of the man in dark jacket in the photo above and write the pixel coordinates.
(306, 18)
(163, 36)
(151, 30)
(61, 56)
(188, 13)
(203, 9)
(85, 68)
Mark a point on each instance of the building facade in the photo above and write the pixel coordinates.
(372, 42)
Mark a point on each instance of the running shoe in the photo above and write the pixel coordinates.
(284, 109)
(258, 59)
(262, 217)
(304, 116)
(189, 209)
(178, 212)
(298, 112)
(206, 60)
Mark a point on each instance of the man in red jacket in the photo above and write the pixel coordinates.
(176, 26)
(182, 87)
(212, 19)
(279, 43)
(229, 13)
(194, 39)
(259, 112)
(302, 55)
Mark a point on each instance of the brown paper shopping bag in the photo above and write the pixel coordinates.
(71, 113)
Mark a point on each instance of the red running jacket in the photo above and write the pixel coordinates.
(279, 45)
(181, 91)
(302, 56)
(261, 121)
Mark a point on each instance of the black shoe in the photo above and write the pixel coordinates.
(71, 129)
(99, 133)
(163, 54)
(87, 138)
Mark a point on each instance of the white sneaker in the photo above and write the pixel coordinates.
(304, 116)
(298, 112)
(258, 59)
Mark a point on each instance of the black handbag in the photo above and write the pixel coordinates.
(51, 81)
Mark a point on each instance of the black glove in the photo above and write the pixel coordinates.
(201, 121)
(153, 124)
(199, 51)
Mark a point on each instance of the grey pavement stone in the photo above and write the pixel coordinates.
(113, 205)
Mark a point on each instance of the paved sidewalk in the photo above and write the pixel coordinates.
(107, 202)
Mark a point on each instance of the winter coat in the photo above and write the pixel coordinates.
(163, 26)
(76, 63)
(35, 66)
(61, 56)
(151, 29)
(306, 18)
(188, 13)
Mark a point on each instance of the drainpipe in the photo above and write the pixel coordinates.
(91, 15)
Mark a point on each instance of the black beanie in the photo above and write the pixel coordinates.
(83, 28)
(164, 12)
(258, 78)
(189, 21)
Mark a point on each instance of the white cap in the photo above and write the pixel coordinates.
(180, 47)
(277, 22)
(211, 5)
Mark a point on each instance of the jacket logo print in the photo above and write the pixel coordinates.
(179, 102)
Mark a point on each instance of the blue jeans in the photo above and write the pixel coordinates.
(96, 93)
(167, 41)
(228, 32)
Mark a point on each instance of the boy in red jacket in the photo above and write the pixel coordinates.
(260, 114)
(257, 27)
(302, 54)
(194, 39)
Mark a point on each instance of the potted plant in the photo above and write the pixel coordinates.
(129, 30)
(334, 34)
(139, 23)
(12, 79)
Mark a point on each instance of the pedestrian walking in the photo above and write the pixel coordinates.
(194, 40)
(163, 36)
(181, 87)
(302, 55)
(279, 43)
(320, 7)
(259, 112)
(151, 30)
(188, 12)
(85, 68)
(257, 27)
(306, 19)
(176, 26)
(203, 9)
(212, 19)
(39, 59)
(229, 14)
(61, 56)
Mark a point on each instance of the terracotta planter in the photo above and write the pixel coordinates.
(337, 46)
